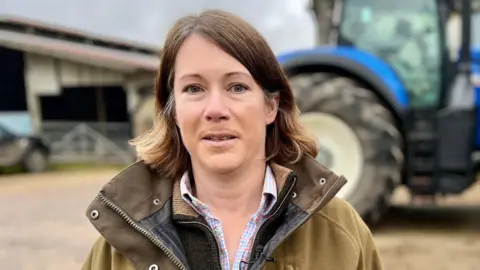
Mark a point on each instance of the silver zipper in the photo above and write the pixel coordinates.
(143, 231)
(291, 231)
(279, 207)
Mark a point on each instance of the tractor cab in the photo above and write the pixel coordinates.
(409, 35)
(412, 37)
(388, 101)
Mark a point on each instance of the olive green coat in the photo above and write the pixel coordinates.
(136, 212)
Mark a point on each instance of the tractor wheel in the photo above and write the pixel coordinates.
(357, 138)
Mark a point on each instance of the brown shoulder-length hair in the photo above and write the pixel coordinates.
(162, 148)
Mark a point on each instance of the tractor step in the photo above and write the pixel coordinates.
(421, 154)
(437, 162)
(423, 200)
(422, 143)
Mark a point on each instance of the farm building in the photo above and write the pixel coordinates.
(78, 91)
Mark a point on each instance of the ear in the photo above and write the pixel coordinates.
(272, 110)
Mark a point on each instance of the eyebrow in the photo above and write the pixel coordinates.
(229, 74)
(235, 73)
(188, 75)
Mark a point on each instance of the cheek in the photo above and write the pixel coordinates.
(253, 118)
(186, 120)
(185, 110)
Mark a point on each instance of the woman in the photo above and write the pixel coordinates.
(226, 178)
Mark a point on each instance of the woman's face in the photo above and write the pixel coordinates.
(220, 110)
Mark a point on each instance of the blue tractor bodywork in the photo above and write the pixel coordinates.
(371, 70)
(352, 60)
(476, 84)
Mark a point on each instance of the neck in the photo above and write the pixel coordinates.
(235, 193)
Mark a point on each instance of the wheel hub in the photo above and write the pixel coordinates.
(325, 157)
(340, 149)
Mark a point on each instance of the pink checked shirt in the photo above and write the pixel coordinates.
(243, 252)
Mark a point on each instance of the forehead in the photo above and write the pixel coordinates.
(199, 56)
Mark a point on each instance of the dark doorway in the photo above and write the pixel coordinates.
(103, 109)
(13, 96)
(91, 104)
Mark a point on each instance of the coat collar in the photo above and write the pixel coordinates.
(140, 191)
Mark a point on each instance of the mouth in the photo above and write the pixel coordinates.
(219, 137)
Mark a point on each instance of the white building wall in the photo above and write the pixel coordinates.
(46, 75)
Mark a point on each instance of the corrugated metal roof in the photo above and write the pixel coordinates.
(130, 58)
(17, 23)
(84, 53)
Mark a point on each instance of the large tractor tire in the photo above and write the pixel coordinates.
(357, 138)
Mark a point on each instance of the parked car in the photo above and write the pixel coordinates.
(29, 152)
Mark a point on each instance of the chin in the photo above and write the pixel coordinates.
(222, 163)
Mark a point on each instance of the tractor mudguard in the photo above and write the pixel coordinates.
(360, 64)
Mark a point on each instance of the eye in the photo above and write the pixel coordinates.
(192, 89)
(238, 88)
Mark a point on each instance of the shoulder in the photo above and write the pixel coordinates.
(339, 217)
(339, 211)
(338, 236)
(345, 220)
(103, 256)
(341, 214)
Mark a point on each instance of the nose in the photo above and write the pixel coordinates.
(216, 109)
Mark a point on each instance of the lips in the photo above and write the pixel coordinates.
(219, 136)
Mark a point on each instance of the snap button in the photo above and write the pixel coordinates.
(294, 195)
(94, 214)
(153, 267)
(322, 181)
(156, 201)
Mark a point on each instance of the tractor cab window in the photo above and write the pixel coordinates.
(406, 34)
(476, 29)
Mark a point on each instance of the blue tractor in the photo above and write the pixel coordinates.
(388, 103)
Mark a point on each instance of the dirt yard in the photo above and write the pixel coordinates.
(444, 237)
(43, 226)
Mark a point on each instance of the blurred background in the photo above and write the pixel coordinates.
(76, 82)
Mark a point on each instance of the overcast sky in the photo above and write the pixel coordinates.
(286, 24)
